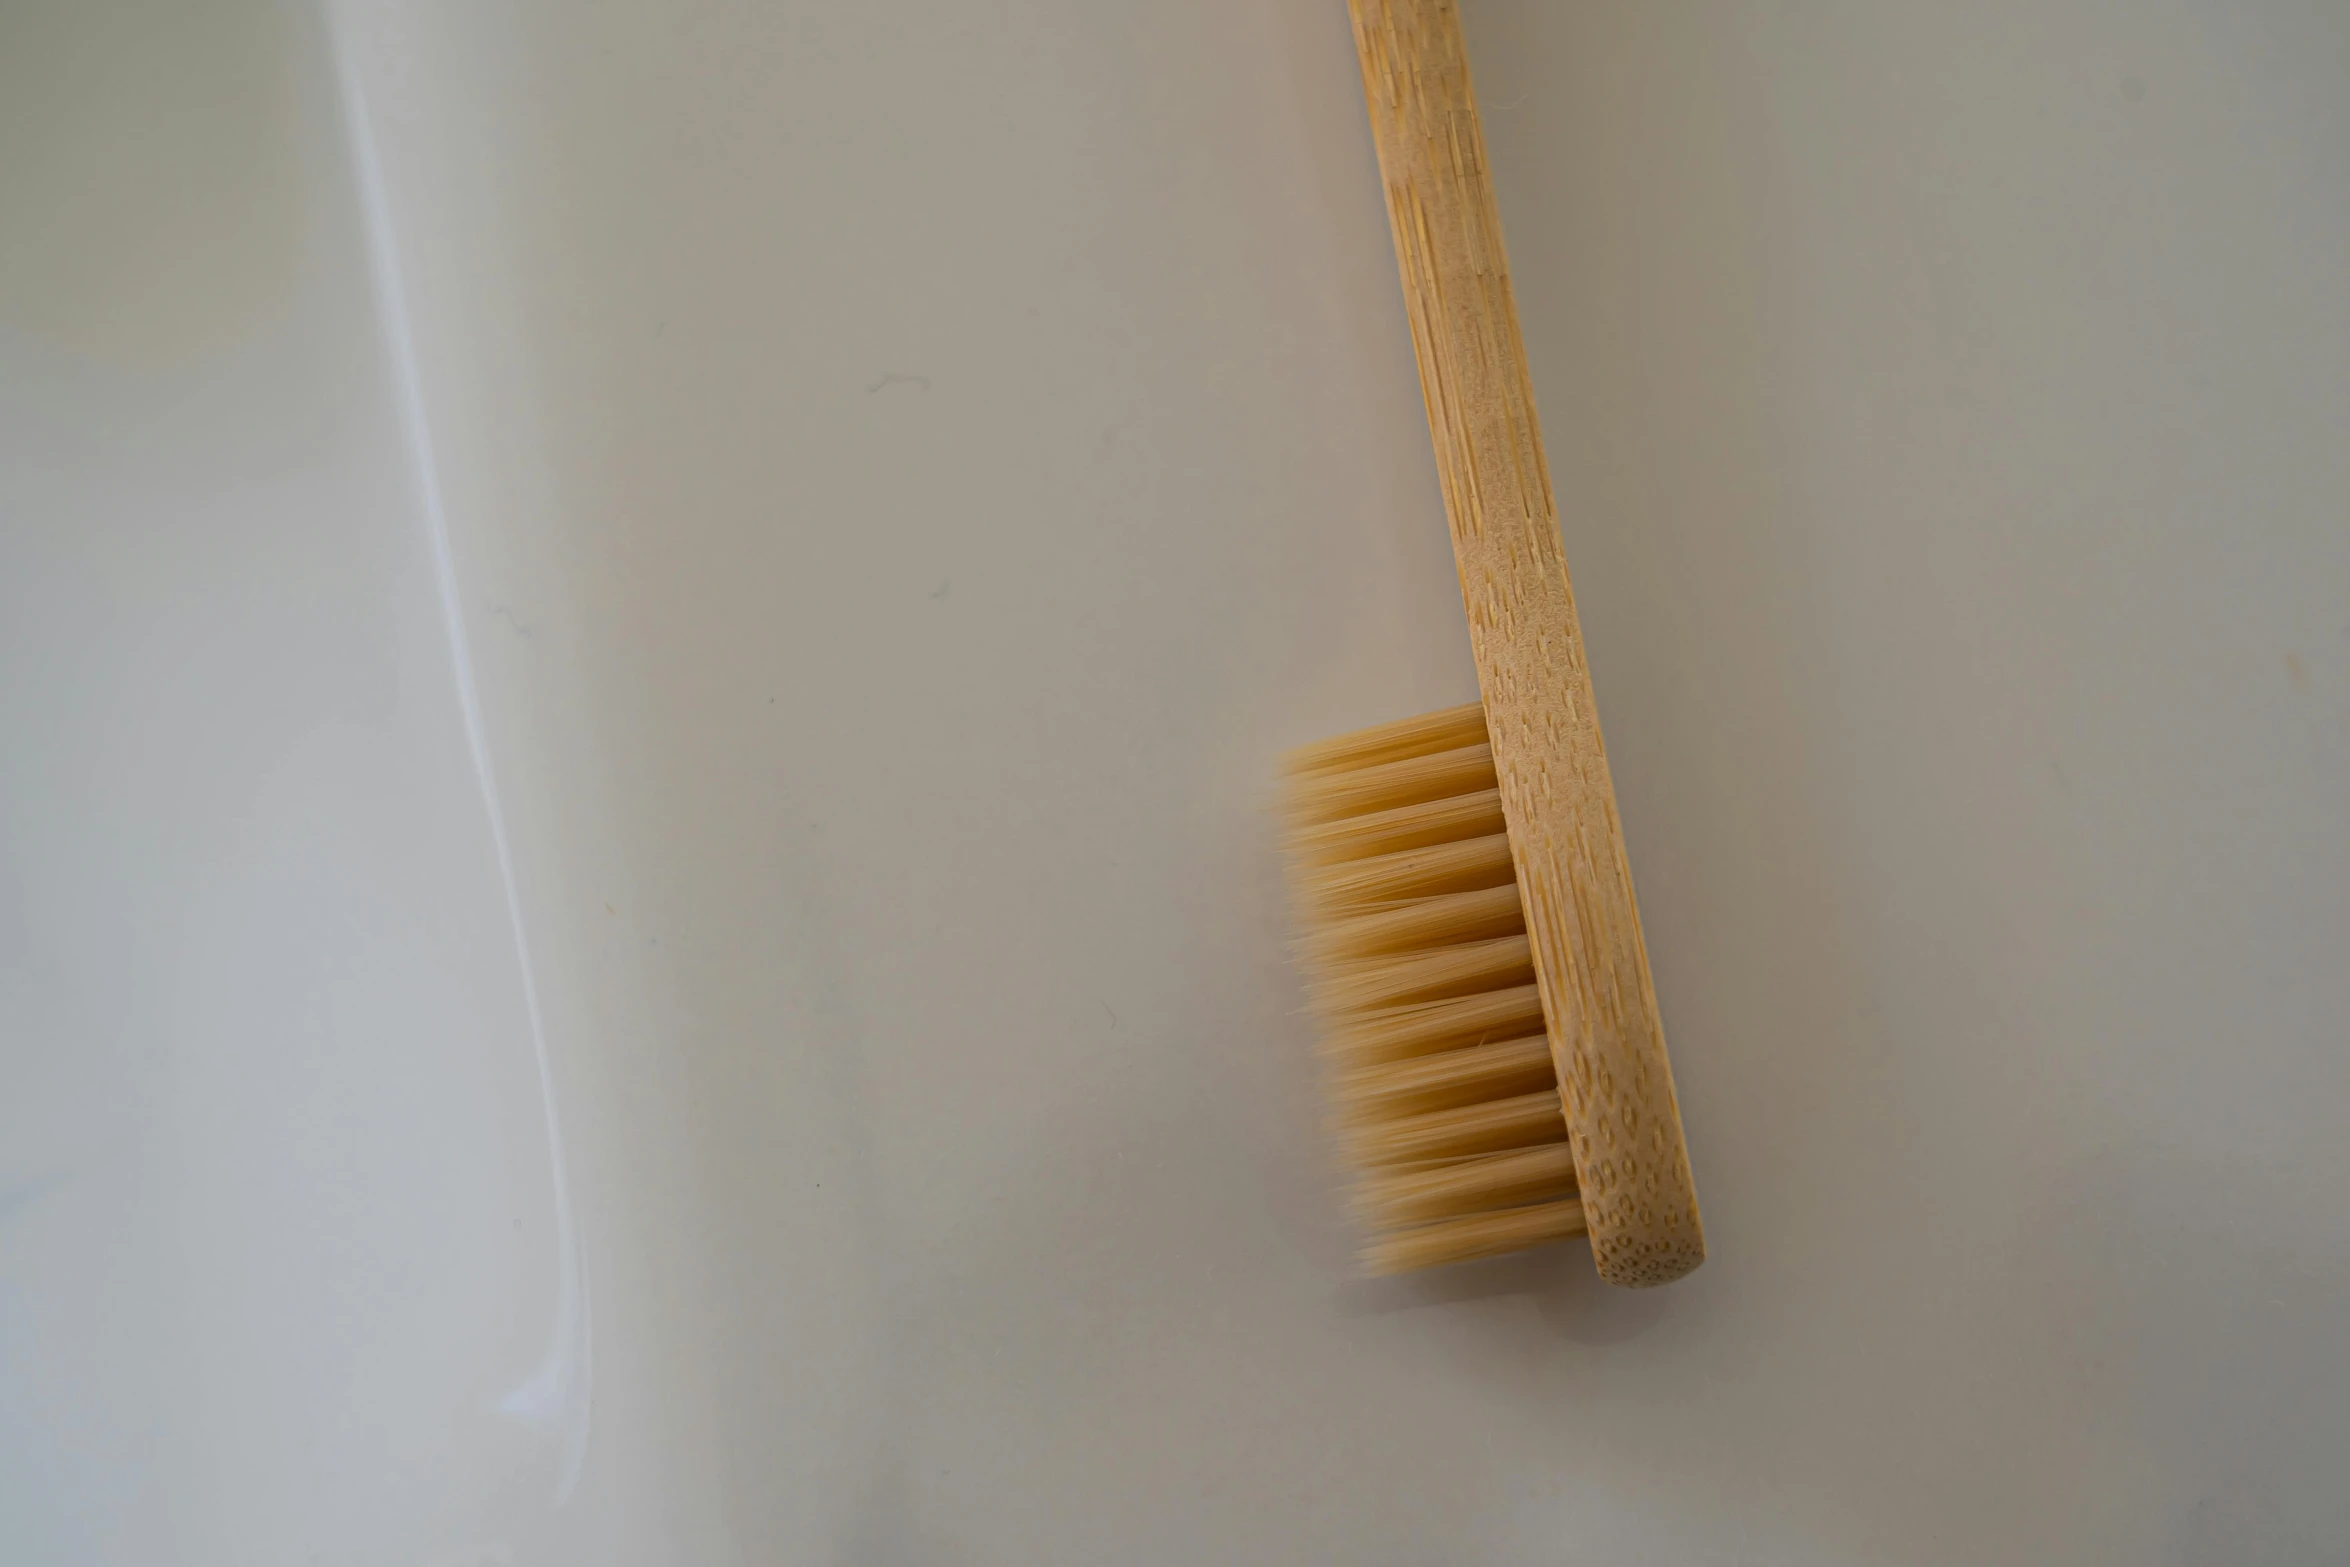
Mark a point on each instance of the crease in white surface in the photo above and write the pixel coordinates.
(557, 1396)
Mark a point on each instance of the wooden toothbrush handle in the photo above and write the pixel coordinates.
(1597, 998)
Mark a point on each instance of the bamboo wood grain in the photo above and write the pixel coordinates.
(1598, 1002)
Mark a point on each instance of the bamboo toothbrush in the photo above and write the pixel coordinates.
(1472, 945)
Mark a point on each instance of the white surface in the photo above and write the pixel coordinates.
(906, 469)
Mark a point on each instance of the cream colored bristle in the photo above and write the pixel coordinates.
(1447, 730)
(1424, 974)
(1485, 1127)
(1447, 1078)
(1419, 969)
(1446, 919)
(1415, 780)
(1460, 866)
(1477, 1184)
(1472, 1236)
(1425, 825)
(1394, 1033)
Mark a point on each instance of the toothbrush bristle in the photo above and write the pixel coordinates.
(1420, 975)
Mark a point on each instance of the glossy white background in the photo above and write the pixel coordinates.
(641, 650)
